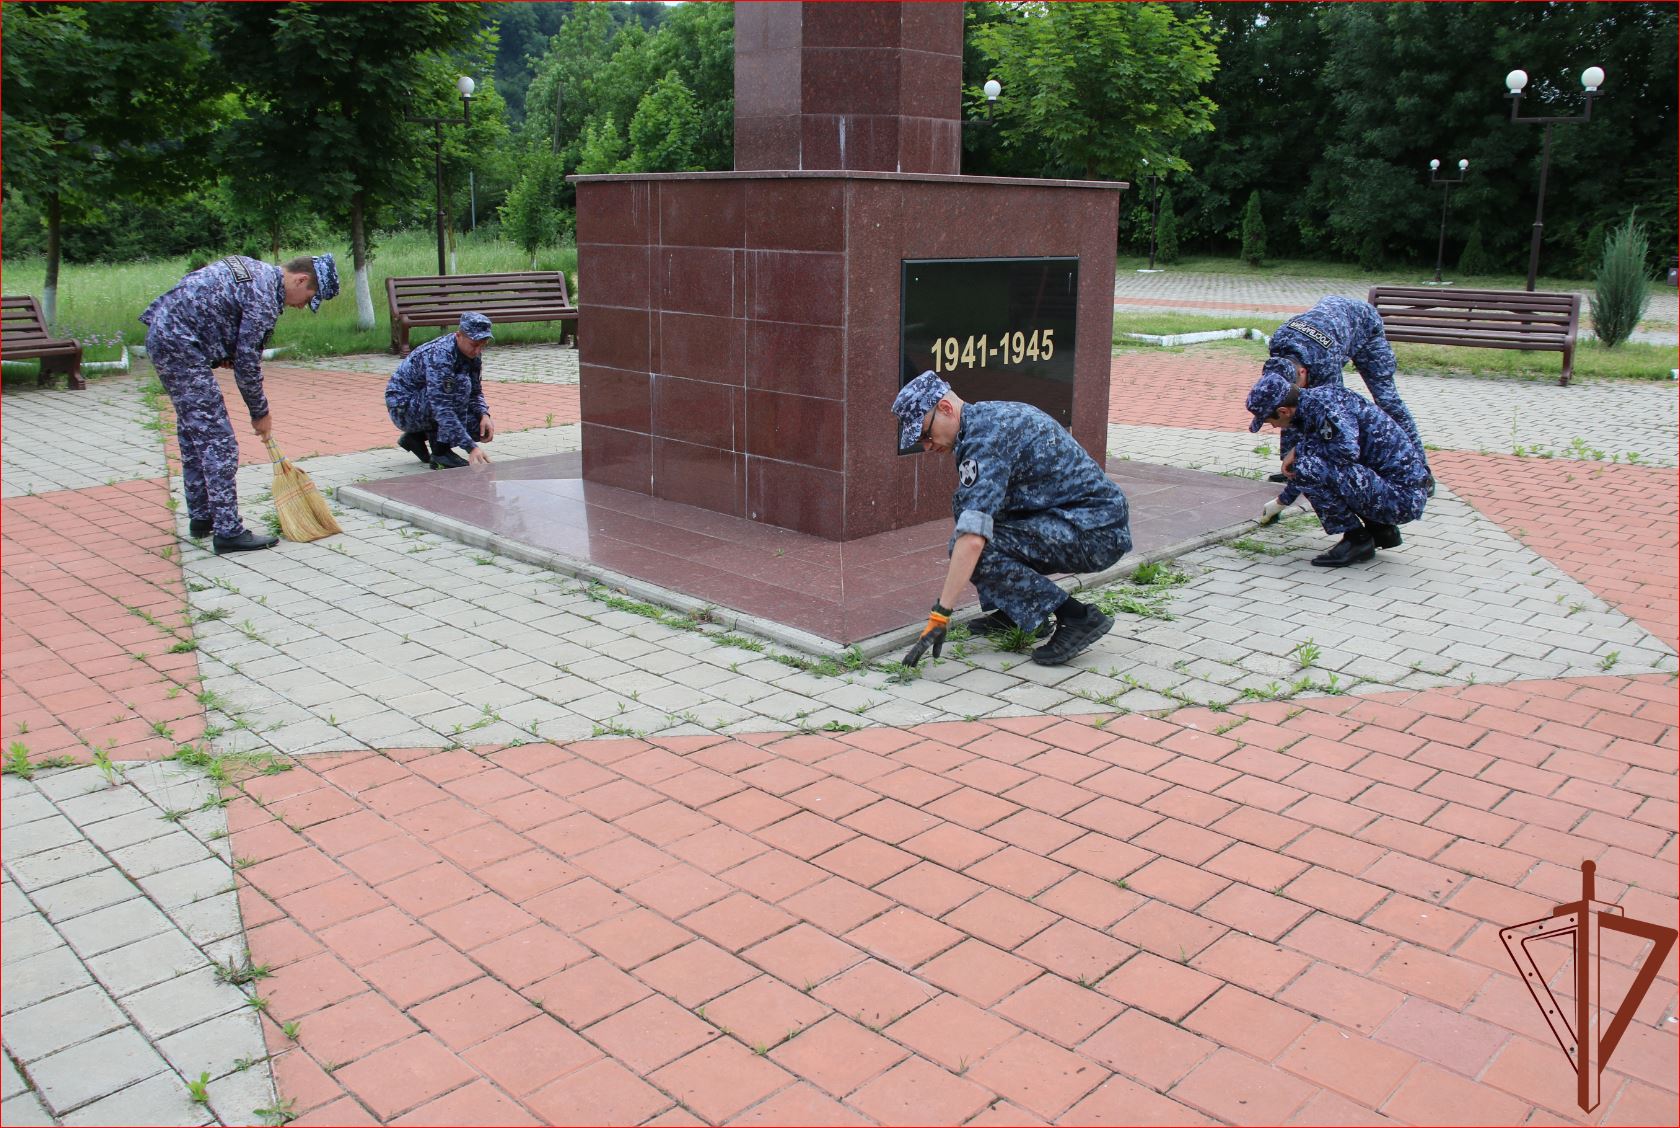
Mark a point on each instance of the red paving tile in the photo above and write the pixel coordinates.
(320, 412)
(87, 646)
(938, 991)
(1613, 527)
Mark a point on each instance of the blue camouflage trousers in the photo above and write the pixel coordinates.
(209, 451)
(413, 416)
(1360, 492)
(1012, 573)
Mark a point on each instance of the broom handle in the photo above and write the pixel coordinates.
(274, 454)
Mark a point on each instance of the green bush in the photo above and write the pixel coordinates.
(1474, 259)
(1623, 286)
(1166, 232)
(1253, 231)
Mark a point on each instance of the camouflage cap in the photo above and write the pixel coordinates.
(476, 326)
(1277, 378)
(913, 403)
(326, 281)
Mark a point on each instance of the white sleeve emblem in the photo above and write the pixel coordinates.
(969, 472)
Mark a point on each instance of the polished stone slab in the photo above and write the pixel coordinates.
(801, 590)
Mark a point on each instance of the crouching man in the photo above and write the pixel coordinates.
(1029, 502)
(436, 397)
(1364, 477)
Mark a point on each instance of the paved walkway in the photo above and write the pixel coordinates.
(1267, 296)
(455, 840)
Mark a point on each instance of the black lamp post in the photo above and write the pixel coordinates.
(1446, 184)
(466, 86)
(1591, 78)
(1154, 212)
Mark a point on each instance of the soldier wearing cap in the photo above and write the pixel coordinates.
(217, 315)
(436, 397)
(1361, 472)
(1029, 502)
(1311, 350)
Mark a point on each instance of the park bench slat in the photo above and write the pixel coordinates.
(24, 336)
(425, 300)
(1489, 319)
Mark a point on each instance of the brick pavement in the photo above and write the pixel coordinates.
(1311, 895)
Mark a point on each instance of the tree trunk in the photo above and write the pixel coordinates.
(358, 251)
(274, 239)
(49, 289)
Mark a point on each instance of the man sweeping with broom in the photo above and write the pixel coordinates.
(222, 314)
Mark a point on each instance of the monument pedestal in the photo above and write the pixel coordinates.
(741, 340)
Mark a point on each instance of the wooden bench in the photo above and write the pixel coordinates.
(503, 298)
(1487, 319)
(23, 336)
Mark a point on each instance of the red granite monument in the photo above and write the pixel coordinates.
(744, 332)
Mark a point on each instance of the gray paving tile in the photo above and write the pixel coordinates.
(190, 999)
(215, 1046)
(114, 927)
(85, 894)
(46, 1028)
(95, 1068)
(25, 1108)
(160, 1099)
(32, 978)
(139, 965)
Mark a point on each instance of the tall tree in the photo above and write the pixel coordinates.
(327, 88)
(1094, 89)
(103, 101)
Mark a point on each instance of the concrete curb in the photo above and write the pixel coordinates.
(790, 637)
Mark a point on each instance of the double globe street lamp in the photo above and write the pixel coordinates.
(465, 86)
(1591, 78)
(1446, 183)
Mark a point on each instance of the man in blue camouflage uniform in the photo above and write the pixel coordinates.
(436, 397)
(1311, 350)
(223, 314)
(1029, 502)
(1363, 475)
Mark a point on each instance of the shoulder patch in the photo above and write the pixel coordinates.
(969, 472)
(1314, 332)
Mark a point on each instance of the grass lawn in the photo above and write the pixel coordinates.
(1352, 272)
(1629, 361)
(100, 303)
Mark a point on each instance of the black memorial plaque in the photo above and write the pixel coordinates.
(996, 329)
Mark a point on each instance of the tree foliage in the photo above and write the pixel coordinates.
(1095, 89)
(1623, 284)
(1254, 231)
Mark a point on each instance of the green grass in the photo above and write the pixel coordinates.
(106, 299)
(1632, 360)
(1312, 268)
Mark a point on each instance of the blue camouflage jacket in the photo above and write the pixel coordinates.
(1337, 428)
(222, 314)
(1013, 461)
(1324, 338)
(451, 384)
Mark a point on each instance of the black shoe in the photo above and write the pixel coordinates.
(445, 459)
(1429, 485)
(246, 541)
(1277, 477)
(1073, 636)
(1355, 548)
(197, 528)
(997, 622)
(415, 443)
(1384, 536)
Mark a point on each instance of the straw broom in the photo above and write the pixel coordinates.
(302, 510)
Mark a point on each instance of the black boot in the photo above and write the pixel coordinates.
(1429, 485)
(200, 528)
(246, 541)
(1384, 536)
(414, 442)
(1078, 625)
(443, 458)
(1356, 547)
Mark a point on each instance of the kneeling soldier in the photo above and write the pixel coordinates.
(1362, 474)
(1029, 502)
(436, 397)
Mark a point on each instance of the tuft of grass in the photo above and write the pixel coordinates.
(199, 1091)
